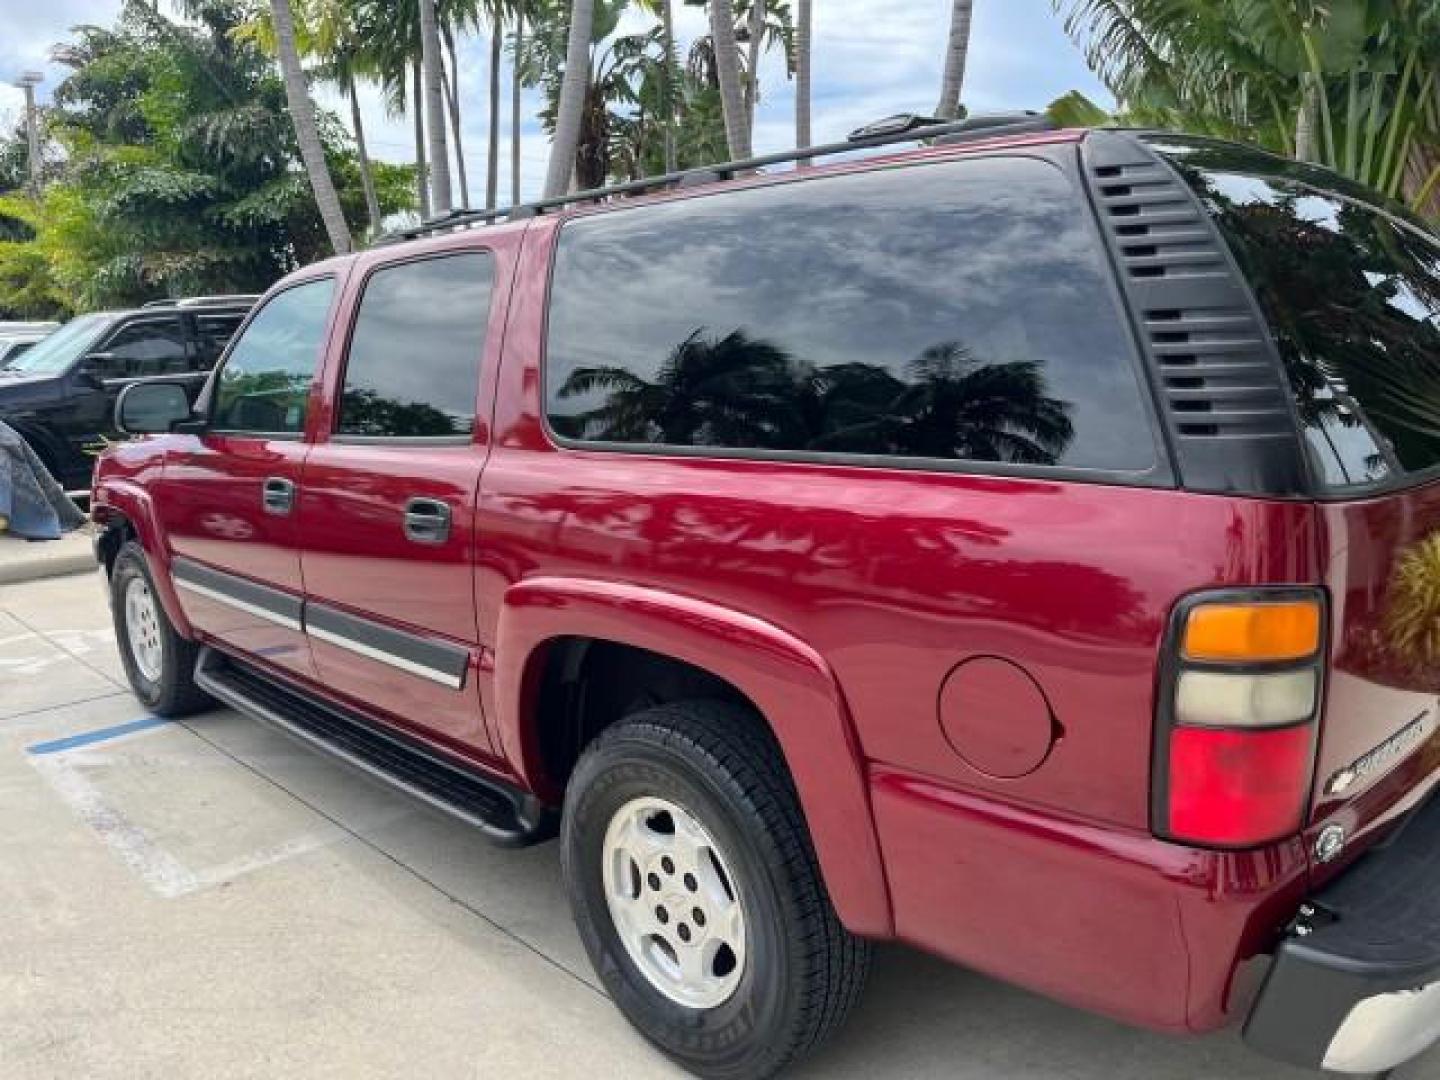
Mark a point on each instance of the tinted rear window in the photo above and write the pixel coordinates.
(946, 311)
(1352, 296)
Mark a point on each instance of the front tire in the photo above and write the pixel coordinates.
(159, 663)
(698, 896)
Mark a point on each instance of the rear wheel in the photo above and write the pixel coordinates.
(159, 663)
(698, 896)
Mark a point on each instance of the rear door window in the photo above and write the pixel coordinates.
(413, 369)
(212, 334)
(145, 348)
(959, 311)
(1352, 297)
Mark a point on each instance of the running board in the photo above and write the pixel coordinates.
(505, 814)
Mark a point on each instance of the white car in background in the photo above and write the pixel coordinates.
(15, 342)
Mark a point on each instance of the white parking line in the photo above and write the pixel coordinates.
(155, 866)
(59, 648)
(165, 874)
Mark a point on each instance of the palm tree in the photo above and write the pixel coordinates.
(671, 78)
(367, 174)
(521, 14)
(727, 70)
(307, 132)
(1422, 175)
(957, 50)
(338, 42)
(492, 170)
(452, 98)
(434, 98)
(1329, 82)
(422, 165)
(802, 75)
(621, 92)
(392, 49)
(669, 75)
(755, 31)
(331, 32)
(571, 109)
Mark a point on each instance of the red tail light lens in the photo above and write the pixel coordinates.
(1235, 727)
(1238, 788)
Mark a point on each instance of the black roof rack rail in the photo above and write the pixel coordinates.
(902, 128)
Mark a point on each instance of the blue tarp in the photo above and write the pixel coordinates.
(32, 505)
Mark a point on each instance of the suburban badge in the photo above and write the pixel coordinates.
(1383, 756)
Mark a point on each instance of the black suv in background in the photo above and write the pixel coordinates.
(60, 395)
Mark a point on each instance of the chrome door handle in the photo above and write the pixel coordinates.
(427, 521)
(279, 495)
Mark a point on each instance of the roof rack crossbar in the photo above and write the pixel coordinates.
(893, 130)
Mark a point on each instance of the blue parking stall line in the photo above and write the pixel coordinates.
(88, 738)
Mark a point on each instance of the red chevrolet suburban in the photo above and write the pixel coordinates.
(1025, 546)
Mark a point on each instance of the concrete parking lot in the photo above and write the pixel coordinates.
(209, 899)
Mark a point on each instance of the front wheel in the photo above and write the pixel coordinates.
(159, 663)
(697, 892)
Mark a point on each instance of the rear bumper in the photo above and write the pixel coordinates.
(1356, 987)
(1118, 922)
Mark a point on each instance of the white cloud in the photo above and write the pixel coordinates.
(28, 29)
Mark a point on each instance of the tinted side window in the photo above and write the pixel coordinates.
(1353, 302)
(213, 333)
(265, 383)
(152, 347)
(953, 311)
(414, 364)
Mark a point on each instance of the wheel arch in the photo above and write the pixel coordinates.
(786, 681)
(123, 512)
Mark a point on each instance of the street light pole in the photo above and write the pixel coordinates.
(27, 82)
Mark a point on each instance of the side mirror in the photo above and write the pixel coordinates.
(151, 408)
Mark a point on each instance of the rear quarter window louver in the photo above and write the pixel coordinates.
(1211, 363)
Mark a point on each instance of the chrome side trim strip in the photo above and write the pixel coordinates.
(238, 604)
(444, 678)
(442, 662)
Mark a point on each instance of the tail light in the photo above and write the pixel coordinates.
(1236, 717)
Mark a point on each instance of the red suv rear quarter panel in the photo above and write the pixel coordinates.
(893, 577)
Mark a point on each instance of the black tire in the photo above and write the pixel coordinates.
(803, 970)
(174, 692)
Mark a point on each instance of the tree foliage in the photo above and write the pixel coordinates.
(632, 88)
(179, 171)
(1351, 84)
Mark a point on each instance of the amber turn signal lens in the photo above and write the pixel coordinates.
(1244, 633)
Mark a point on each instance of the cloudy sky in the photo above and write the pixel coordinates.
(872, 58)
